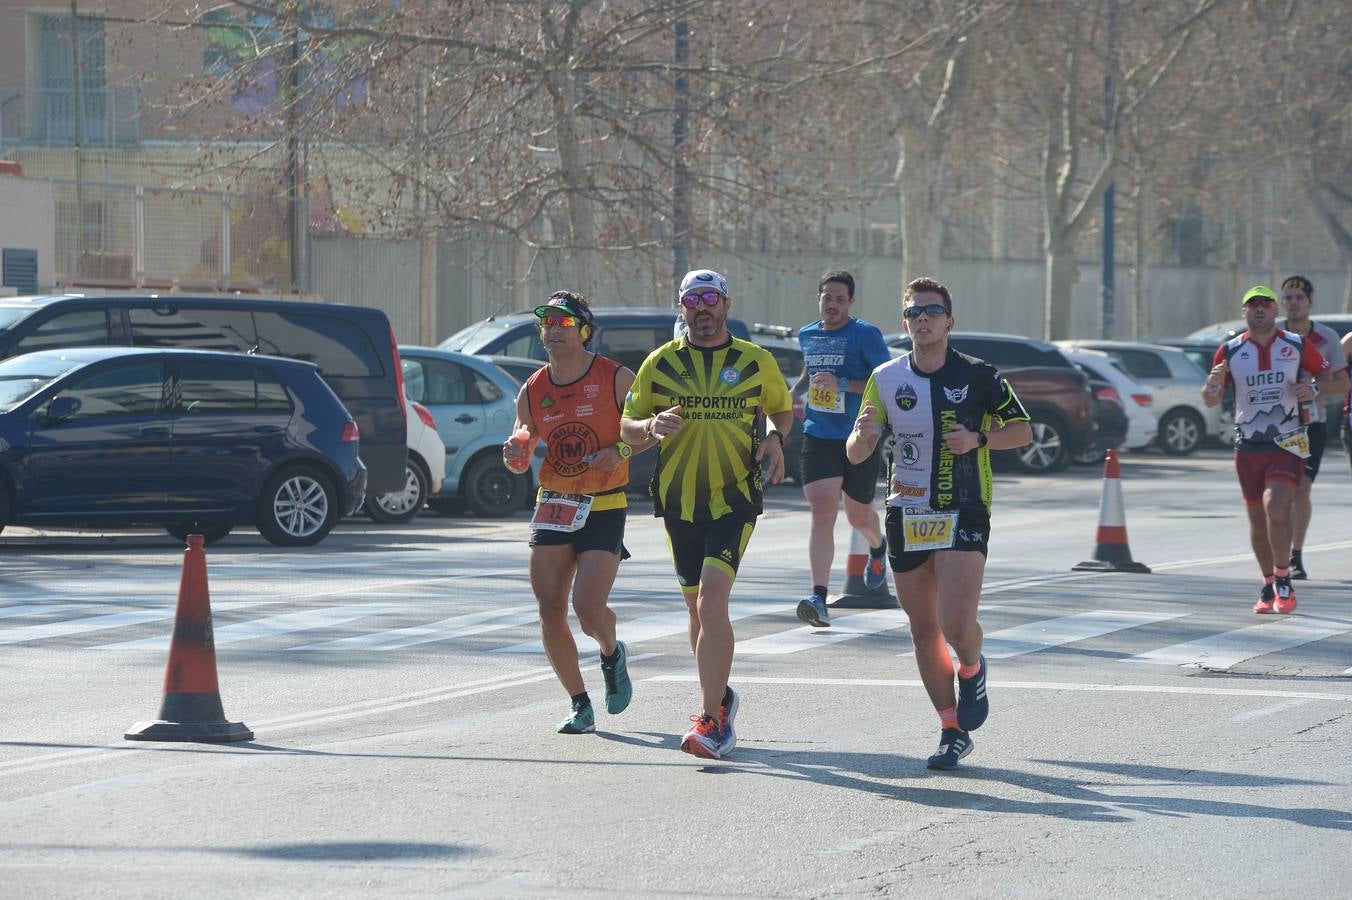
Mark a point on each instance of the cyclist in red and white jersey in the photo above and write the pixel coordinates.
(1267, 367)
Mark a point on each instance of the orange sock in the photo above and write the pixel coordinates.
(948, 718)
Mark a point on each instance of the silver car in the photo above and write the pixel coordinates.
(1176, 381)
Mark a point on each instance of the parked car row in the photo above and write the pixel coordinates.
(194, 413)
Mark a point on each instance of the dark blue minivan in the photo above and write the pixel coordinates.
(353, 346)
(194, 441)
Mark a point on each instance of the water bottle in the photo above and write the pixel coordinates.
(518, 460)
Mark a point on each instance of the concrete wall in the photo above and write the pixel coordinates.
(28, 221)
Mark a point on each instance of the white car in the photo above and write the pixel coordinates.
(423, 472)
(1137, 399)
(1184, 420)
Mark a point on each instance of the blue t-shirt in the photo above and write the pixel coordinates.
(852, 352)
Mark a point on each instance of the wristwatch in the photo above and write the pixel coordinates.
(981, 438)
(623, 449)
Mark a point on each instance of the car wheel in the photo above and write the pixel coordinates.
(1181, 432)
(298, 507)
(1048, 451)
(490, 491)
(1088, 457)
(398, 507)
(211, 532)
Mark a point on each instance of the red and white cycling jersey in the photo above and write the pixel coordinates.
(1265, 379)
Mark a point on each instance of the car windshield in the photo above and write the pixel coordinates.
(9, 315)
(23, 376)
(476, 335)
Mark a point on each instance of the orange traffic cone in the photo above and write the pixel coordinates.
(857, 595)
(1111, 553)
(192, 709)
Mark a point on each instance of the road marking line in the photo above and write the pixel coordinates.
(35, 609)
(444, 630)
(808, 637)
(1269, 710)
(1229, 648)
(306, 620)
(1029, 686)
(1043, 634)
(21, 633)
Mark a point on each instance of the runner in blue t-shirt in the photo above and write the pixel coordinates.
(839, 353)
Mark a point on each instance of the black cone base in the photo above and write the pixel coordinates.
(1100, 565)
(198, 732)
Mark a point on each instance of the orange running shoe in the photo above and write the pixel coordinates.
(703, 740)
(1265, 600)
(1286, 596)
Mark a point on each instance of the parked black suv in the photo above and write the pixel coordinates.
(353, 347)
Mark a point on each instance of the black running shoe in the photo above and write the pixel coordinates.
(973, 706)
(1298, 572)
(954, 744)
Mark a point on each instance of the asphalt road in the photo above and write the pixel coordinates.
(1149, 736)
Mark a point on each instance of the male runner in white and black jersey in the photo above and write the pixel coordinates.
(947, 412)
(1297, 299)
(1268, 367)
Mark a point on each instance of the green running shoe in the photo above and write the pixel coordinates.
(619, 689)
(582, 721)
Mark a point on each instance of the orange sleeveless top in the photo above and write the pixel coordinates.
(575, 420)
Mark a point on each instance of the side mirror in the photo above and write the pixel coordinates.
(61, 409)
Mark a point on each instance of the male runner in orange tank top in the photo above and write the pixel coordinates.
(577, 531)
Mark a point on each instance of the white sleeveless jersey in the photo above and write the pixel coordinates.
(1265, 380)
(1326, 341)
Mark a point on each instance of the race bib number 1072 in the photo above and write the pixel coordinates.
(925, 529)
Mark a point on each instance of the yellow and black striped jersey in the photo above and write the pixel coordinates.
(708, 468)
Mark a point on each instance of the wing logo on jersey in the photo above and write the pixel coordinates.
(906, 398)
(956, 395)
(729, 376)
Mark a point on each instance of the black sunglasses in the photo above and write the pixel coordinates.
(933, 310)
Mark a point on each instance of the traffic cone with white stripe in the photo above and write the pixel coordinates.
(857, 595)
(191, 710)
(1111, 553)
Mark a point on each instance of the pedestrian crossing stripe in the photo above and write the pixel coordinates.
(1220, 651)
(444, 630)
(1229, 648)
(324, 617)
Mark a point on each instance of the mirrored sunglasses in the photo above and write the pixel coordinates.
(693, 299)
(559, 321)
(933, 310)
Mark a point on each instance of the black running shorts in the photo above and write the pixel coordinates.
(719, 543)
(823, 458)
(973, 533)
(1318, 434)
(603, 530)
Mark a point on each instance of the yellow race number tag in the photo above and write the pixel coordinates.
(925, 529)
(825, 399)
(1296, 441)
